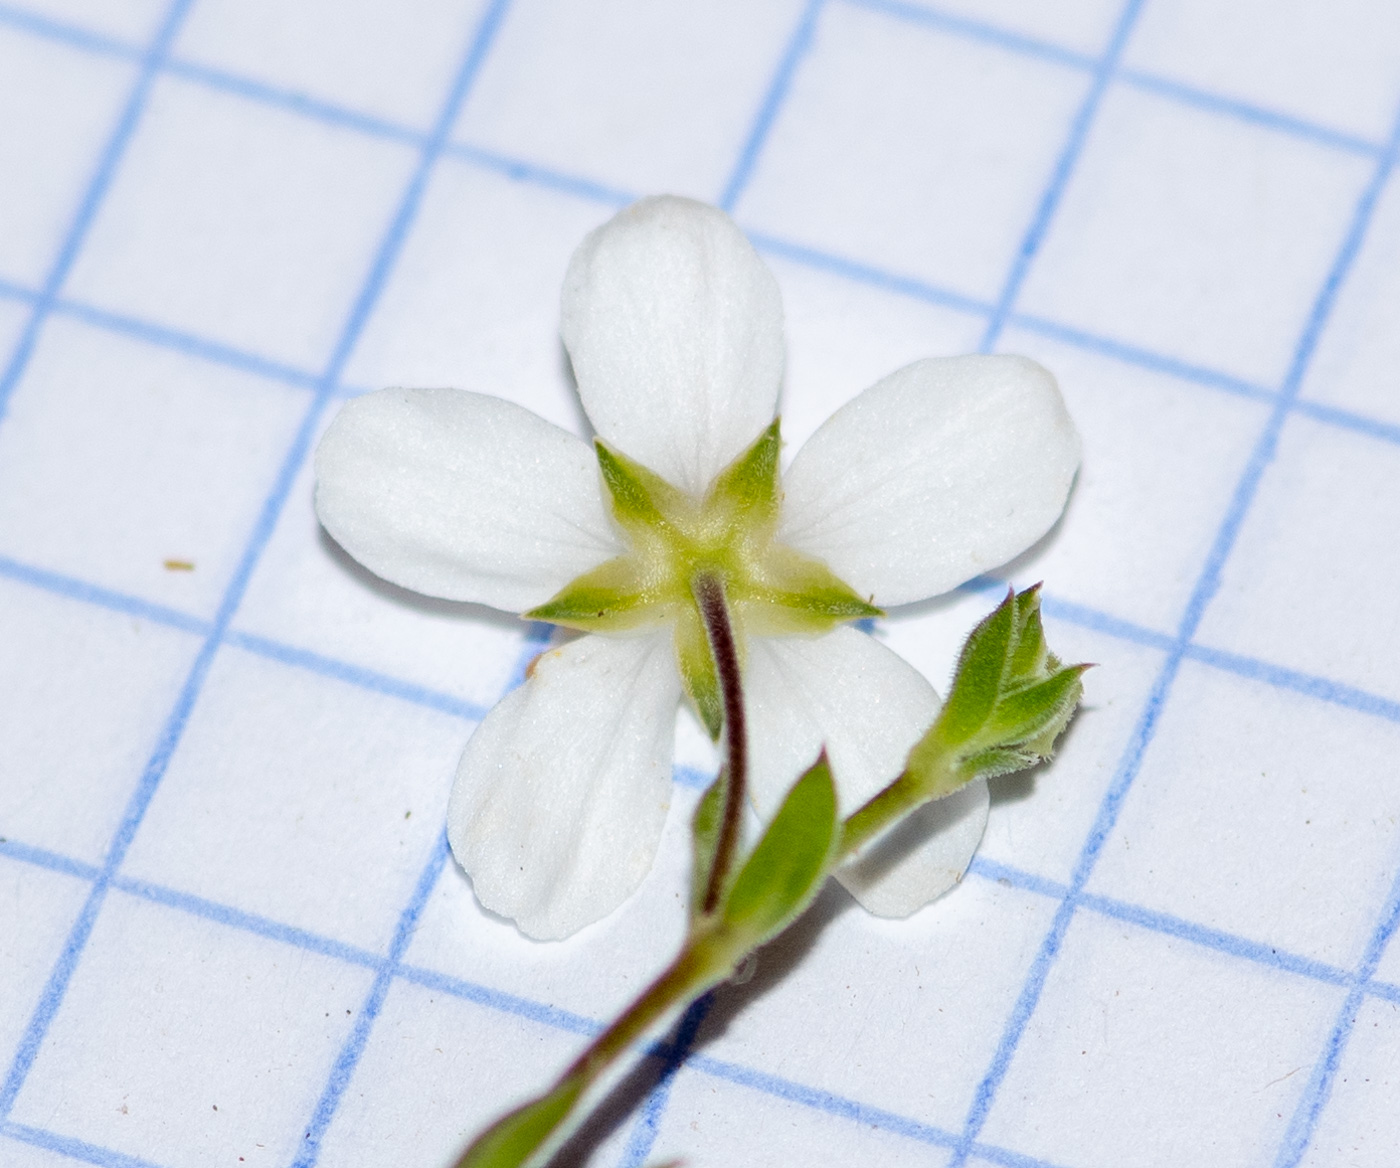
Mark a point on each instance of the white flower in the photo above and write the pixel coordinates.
(941, 471)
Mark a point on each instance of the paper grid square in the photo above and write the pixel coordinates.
(241, 223)
(182, 989)
(1334, 64)
(1310, 586)
(608, 92)
(301, 799)
(1148, 1051)
(1241, 773)
(37, 904)
(1159, 455)
(931, 150)
(452, 1065)
(144, 458)
(1357, 366)
(86, 692)
(947, 980)
(392, 62)
(474, 300)
(1171, 219)
(60, 106)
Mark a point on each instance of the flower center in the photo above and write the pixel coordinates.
(676, 538)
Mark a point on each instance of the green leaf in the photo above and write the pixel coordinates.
(704, 839)
(787, 868)
(516, 1136)
(1010, 699)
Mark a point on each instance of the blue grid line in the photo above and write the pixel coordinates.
(648, 1125)
(1130, 354)
(354, 1047)
(798, 46)
(1348, 420)
(1303, 1123)
(978, 30)
(387, 250)
(166, 338)
(110, 158)
(1334, 693)
(1206, 585)
(1170, 925)
(73, 1149)
(1247, 112)
(330, 667)
(359, 676)
(1059, 179)
(862, 273)
(43, 858)
(519, 170)
(247, 922)
(73, 589)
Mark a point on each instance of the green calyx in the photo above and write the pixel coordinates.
(676, 538)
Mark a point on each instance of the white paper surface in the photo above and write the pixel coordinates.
(228, 931)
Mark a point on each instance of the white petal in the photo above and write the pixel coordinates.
(867, 706)
(463, 496)
(562, 791)
(921, 858)
(932, 476)
(675, 329)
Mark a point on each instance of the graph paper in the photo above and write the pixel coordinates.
(230, 931)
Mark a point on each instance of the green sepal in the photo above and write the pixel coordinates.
(788, 867)
(798, 594)
(704, 839)
(615, 595)
(513, 1139)
(748, 486)
(697, 670)
(641, 498)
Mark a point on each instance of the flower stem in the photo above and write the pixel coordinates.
(906, 794)
(714, 611)
(526, 1134)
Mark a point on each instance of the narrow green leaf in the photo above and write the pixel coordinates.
(786, 870)
(704, 839)
(518, 1135)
